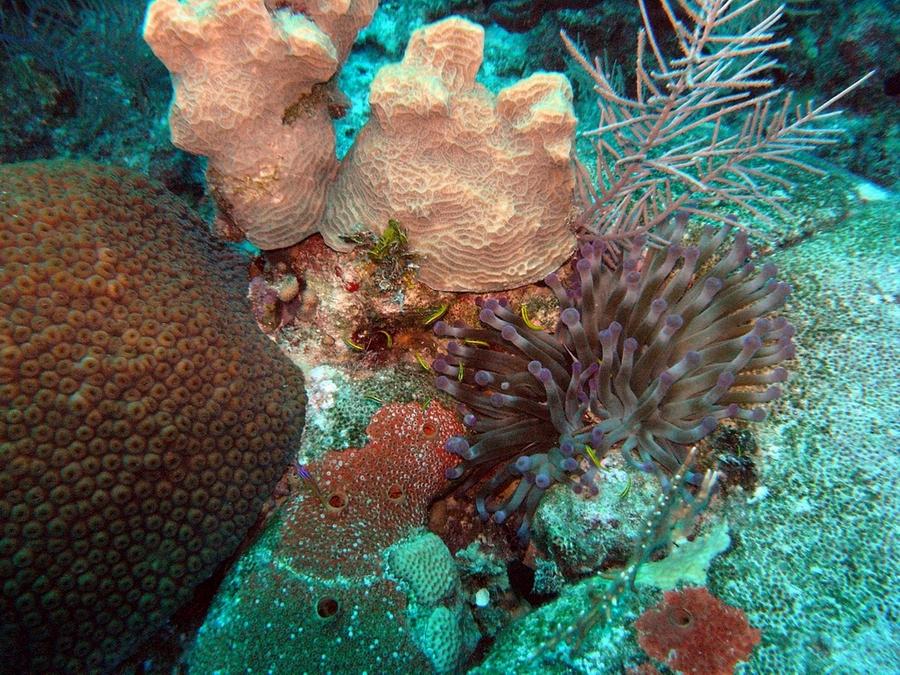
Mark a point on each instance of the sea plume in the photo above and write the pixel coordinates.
(652, 157)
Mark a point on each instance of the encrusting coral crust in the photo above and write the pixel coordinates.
(329, 541)
(145, 419)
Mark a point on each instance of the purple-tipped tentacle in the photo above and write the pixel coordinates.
(648, 355)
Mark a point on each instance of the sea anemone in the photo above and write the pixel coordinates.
(649, 353)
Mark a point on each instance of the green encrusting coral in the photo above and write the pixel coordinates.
(815, 569)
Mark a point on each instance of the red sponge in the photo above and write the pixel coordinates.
(694, 632)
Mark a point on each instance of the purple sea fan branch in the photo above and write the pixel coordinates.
(650, 144)
(647, 357)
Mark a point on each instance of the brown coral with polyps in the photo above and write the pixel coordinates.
(143, 417)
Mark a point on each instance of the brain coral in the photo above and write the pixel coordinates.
(143, 418)
(425, 565)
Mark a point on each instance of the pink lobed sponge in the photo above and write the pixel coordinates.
(482, 184)
(254, 93)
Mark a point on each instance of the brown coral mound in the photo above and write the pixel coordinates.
(143, 417)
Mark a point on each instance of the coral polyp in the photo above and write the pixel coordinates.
(649, 354)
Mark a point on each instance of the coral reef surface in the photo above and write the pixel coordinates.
(312, 593)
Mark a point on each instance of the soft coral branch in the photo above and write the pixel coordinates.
(645, 170)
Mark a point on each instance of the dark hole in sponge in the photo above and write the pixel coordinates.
(327, 607)
(678, 616)
(892, 84)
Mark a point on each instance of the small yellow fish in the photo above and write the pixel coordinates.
(303, 472)
(422, 362)
(590, 452)
(523, 311)
(353, 346)
(436, 314)
(627, 489)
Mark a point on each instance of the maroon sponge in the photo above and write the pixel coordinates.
(144, 419)
(694, 632)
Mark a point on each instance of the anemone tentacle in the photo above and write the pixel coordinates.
(647, 357)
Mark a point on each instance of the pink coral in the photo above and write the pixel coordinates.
(694, 632)
(482, 185)
(253, 93)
